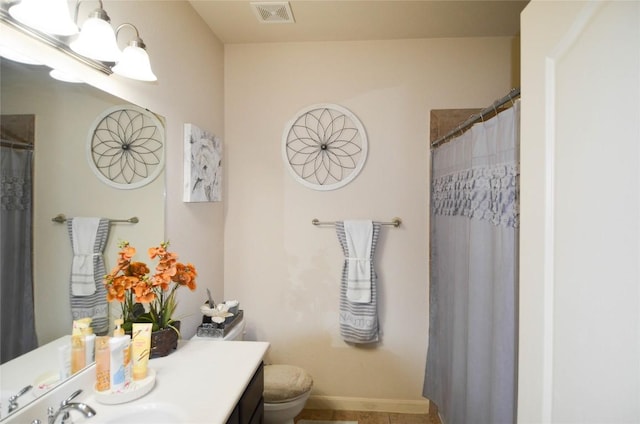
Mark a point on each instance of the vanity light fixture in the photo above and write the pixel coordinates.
(97, 40)
(49, 16)
(96, 44)
(134, 62)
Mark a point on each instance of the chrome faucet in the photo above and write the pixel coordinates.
(13, 400)
(66, 406)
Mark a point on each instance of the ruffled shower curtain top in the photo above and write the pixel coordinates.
(471, 359)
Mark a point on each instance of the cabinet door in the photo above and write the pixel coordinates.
(235, 416)
(250, 407)
(252, 397)
(258, 414)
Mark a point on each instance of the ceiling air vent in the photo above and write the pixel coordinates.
(273, 12)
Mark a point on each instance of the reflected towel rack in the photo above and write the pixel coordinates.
(394, 222)
(60, 218)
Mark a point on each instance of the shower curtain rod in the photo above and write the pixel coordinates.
(16, 144)
(515, 92)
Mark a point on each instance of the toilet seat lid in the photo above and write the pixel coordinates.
(285, 382)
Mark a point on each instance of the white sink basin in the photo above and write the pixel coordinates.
(138, 413)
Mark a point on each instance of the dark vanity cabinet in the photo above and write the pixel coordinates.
(250, 407)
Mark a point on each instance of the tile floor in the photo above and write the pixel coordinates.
(366, 417)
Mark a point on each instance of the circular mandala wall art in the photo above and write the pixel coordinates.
(324, 146)
(125, 147)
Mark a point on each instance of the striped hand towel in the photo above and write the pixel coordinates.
(358, 320)
(95, 304)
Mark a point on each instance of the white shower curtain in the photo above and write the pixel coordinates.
(471, 360)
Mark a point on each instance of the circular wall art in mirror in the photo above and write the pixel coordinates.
(324, 146)
(125, 147)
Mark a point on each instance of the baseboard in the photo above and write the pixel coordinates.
(367, 404)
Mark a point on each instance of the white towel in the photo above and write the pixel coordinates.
(359, 235)
(83, 241)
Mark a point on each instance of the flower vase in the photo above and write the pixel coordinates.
(164, 341)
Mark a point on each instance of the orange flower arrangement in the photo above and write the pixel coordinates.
(130, 284)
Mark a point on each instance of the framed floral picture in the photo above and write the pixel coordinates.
(202, 165)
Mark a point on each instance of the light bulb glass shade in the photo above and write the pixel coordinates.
(135, 64)
(97, 41)
(50, 16)
(11, 54)
(64, 76)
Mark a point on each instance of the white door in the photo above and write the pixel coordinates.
(579, 340)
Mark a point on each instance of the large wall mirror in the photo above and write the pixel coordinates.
(63, 183)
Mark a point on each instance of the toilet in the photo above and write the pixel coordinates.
(286, 390)
(286, 387)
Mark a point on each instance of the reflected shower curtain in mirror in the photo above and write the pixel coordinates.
(16, 275)
(471, 360)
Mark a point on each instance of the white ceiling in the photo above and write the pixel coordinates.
(234, 21)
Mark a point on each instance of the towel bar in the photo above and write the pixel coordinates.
(394, 222)
(60, 218)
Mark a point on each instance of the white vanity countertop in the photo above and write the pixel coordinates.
(201, 380)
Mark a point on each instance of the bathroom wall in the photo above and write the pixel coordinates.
(284, 271)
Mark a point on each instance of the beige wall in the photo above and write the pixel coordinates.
(284, 271)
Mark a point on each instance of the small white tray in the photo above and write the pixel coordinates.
(136, 389)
